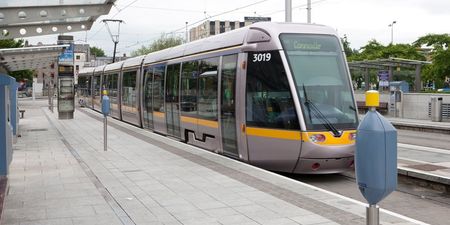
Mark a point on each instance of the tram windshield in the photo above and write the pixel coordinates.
(323, 85)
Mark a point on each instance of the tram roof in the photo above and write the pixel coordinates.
(133, 62)
(99, 68)
(235, 38)
(86, 71)
(228, 39)
(114, 66)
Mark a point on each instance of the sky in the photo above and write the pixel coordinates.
(359, 20)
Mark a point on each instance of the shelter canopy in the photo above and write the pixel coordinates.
(15, 59)
(27, 18)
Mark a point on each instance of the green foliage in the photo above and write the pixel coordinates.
(440, 68)
(375, 50)
(161, 43)
(97, 52)
(11, 43)
(349, 52)
(22, 74)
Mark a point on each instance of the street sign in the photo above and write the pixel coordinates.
(67, 55)
(383, 75)
(256, 19)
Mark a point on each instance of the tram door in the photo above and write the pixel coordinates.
(148, 101)
(228, 105)
(157, 87)
(173, 100)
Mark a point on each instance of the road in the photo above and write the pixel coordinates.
(410, 200)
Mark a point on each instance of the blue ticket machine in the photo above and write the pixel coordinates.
(8, 119)
(375, 157)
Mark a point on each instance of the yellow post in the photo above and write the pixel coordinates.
(372, 99)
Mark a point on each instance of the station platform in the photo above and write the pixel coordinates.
(424, 163)
(60, 174)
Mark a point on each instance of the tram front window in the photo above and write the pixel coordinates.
(323, 85)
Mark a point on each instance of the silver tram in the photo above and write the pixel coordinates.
(275, 95)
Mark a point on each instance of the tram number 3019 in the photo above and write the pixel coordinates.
(262, 57)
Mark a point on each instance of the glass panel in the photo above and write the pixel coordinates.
(269, 101)
(207, 88)
(189, 75)
(96, 97)
(228, 108)
(129, 97)
(322, 81)
(158, 89)
(106, 85)
(148, 112)
(82, 87)
(114, 93)
(172, 100)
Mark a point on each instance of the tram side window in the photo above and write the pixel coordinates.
(148, 83)
(113, 85)
(268, 99)
(106, 83)
(207, 88)
(97, 85)
(158, 89)
(89, 86)
(129, 88)
(82, 86)
(189, 75)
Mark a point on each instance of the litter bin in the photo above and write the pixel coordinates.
(436, 109)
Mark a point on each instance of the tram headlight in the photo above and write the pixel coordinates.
(352, 136)
(317, 138)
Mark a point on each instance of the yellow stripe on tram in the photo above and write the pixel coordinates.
(202, 122)
(159, 114)
(274, 133)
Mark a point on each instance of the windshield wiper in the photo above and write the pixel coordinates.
(320, 115)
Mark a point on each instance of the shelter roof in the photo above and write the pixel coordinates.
(15, 59)
(385, 63)
(27, 18)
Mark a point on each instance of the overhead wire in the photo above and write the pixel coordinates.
(296, 7)
(117, 13)
(202, 20)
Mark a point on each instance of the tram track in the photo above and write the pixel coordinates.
(410, 199)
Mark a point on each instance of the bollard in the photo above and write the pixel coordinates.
(105, 111)
(375, 157)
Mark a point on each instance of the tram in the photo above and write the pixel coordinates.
(275, 95)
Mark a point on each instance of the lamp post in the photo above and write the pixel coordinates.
(392, 31)
(186, 38)
(288, 11)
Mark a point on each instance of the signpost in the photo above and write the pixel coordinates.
(383, 77)
(105, 112)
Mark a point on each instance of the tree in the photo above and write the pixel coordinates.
(21, 74)
(440, 55)
(349, 52)
(161, 43)
(375, 50)
(11, 43)
(97, 52)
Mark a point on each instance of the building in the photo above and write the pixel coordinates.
(210, 28)
(81, 57)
